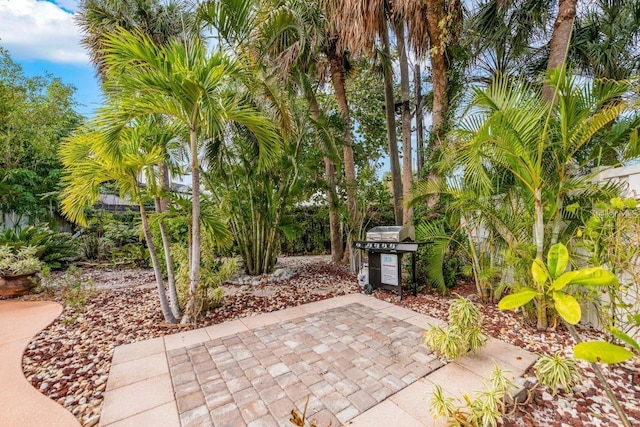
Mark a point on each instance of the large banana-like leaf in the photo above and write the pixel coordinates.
(567, 306)
(557, 260)
(601, 352)
(518, 299)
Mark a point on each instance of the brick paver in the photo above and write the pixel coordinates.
(344, 360)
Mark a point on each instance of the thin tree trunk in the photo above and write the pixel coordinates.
(171, 277)
(407, 169)
(538, 238)
(194, 271)
(164, 304)
(165, 184)
(338, 81)
(560, 39)
(334, 215)
(436, 13)
(419, 121)
(390, 108)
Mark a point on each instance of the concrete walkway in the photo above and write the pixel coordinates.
(21, 404)
(358, 359)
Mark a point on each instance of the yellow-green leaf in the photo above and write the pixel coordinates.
(594, 276)
(567, 306)
(557, 260)
(631, 203)
(623, 337)
(563, 280)
(617, 203)
(539, 272)
(518, 299)
(601, 352)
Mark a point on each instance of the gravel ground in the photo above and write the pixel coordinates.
(586, 405)
(70, 360)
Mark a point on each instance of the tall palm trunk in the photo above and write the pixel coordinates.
(419, 122)
(560, 39)
(390, 108)
(338, 81)
(337, 243)
(436, 13)
(194, 271)
(164, 304)
(407, 173)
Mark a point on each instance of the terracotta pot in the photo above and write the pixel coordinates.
(15, 285)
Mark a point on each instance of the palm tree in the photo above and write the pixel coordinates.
(513, 132)
(359, 24)
(291, 39)
(606, 39)
(162, 21)
(560, 42)
(201, 91)
(502, 35)
(89, 165)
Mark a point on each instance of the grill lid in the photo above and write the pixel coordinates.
(393, 233)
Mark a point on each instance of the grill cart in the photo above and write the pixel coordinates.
(385, 247)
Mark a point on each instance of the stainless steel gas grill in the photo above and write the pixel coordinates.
(385, 247)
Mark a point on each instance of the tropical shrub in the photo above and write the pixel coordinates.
(551, 281)
(514, 149)
(110, 237)
(550, 286)
(610, 236)
(214, 270)
(53, 248)
(463, 333)
(75, 291)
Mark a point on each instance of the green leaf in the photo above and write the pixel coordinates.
(539, 272)
(623, 337)
(617, 203)
(630, 203)
(518, 299)
(557, 260)
(572, 208)
(567, 306)
(594, 276)
(601, 352)
(563, 280)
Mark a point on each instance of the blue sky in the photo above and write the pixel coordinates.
(42, 37)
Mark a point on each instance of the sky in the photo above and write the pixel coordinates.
(42, 37)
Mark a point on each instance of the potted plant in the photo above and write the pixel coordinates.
(18, 270)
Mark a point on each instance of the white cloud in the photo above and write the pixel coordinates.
(32, 29)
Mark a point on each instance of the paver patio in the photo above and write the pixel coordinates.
(355, 358)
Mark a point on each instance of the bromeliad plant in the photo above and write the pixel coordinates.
(551, 282)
